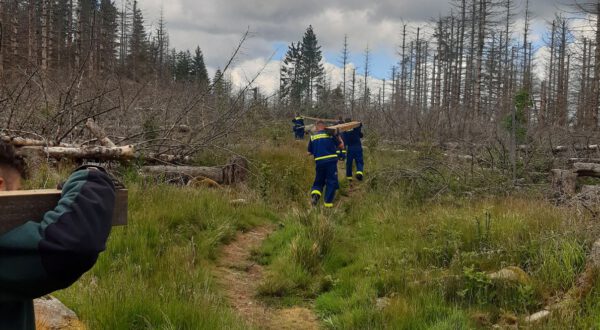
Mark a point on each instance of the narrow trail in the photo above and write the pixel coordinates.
(240, 277)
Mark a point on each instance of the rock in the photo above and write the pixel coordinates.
(541, 315)
(51, 314)
(512, 274)
(382, 303)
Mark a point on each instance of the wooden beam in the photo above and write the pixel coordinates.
(320, 119)
(19, 207)
(344, 127)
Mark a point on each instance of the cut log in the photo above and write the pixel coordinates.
(563, 181)
(344, 127)
(587, 169)
(236, 171)
(19, 207)
(93, 152)
(321, 119)
(99, 133)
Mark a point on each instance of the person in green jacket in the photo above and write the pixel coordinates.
(40, 257)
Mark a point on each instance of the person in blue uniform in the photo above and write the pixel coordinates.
(298, 127)
(323, 147)
(355, 152)
(341, 152)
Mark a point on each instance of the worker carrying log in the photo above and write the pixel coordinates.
(354, 154)
(38, 258)
(323, 147)
(298, 127)
(341, 152)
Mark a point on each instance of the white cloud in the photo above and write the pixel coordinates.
(216, 26)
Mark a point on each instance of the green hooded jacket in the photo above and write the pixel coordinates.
(40, 257)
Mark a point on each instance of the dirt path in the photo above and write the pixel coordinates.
(240, 277)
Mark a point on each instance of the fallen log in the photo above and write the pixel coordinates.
(92, 152)
(24, 142)
(557, 149)
(587, 169)
(99, 133)
(166, 158)
(236, 171)
(19, 207)
(583, 160)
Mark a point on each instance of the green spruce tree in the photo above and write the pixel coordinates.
(312, 66)
(138, 43)
(183, 67)
(199, 72)
(291, 84)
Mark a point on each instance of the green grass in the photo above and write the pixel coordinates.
(410, 248)
(426, 254)
(156, 272)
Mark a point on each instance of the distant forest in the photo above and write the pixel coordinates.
(462, 75)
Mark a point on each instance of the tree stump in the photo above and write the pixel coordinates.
(563, 181)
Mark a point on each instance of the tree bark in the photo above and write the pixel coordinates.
(234, 172)
(95, 152)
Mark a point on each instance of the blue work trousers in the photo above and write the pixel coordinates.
(299, 133)
(355, 154)
(326, 177)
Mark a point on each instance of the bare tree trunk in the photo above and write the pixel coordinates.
(45, 33)
(78, 36)
(31, 51)
(2, 33)
(15, 33)
(549, 93)
(479, 59)
(582, 97)
(596, 81)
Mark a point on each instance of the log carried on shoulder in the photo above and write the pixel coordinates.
(19, 207)
(320, 119)
(343, 127)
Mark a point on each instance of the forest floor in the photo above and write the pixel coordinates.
(239, 276)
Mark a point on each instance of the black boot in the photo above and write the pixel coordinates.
(315, 199)
(359, 176)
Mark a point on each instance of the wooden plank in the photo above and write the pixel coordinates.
(344, 127)
(18, 207)
(320, 119)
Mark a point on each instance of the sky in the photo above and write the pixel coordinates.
(217, 26)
